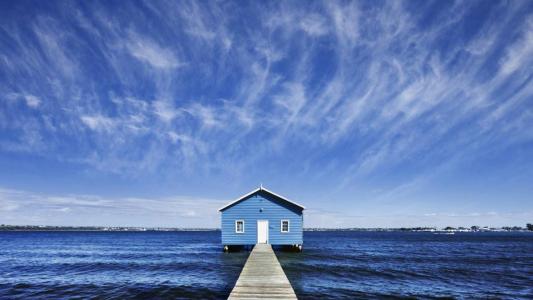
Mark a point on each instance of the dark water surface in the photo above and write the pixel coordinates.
(162, 265)
(412, 264)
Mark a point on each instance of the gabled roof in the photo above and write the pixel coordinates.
(259, 189)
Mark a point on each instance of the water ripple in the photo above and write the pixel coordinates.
(185, 265)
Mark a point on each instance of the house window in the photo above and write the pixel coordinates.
(239, 226)
(284, 225)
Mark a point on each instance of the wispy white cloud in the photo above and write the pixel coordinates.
(325, 90)
(98, 122)
(331, 219)
(383, 80)
(314, 24)
(196, 20)
(53, 39)
(26, 207)
(520, 53)
(165, 110)
(205, 114)
(30, 100)
(150, 52)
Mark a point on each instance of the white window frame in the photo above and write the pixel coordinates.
(288, 226)
(236, 221)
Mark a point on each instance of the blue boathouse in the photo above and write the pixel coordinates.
(262, 217)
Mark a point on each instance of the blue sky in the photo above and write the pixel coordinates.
(370, 113)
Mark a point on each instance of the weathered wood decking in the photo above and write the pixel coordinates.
(262, 277)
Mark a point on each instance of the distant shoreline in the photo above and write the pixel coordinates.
(171, 229)
(97, 228)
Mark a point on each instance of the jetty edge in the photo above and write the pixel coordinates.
(262, 277)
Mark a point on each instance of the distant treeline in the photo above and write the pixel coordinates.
(3, 227)
(447, 228)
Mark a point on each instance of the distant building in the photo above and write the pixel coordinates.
(262, 216)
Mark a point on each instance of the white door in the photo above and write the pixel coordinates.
(262, 232)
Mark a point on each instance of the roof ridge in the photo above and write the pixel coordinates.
(261, 188)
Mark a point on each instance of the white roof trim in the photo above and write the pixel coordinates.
(261, 188)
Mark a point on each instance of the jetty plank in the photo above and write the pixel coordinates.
(262, 277)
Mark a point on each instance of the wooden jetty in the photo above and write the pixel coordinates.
(262, 277)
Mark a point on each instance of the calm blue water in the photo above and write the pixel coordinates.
(119, 265)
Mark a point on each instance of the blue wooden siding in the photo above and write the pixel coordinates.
(262, 206)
